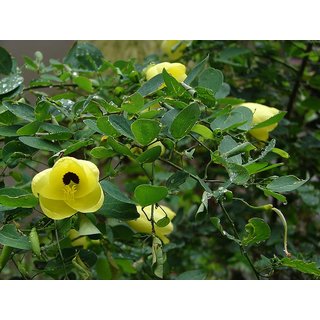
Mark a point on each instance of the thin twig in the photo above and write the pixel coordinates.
(236, 234)
(295, 89)
(50, 86)
(59, 248)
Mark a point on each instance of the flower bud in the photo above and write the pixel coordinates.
(261, 113)
(143, 223)
(35, 244)
(176, 70)
(173, 49)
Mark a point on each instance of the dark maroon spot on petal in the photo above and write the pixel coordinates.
(70, 176)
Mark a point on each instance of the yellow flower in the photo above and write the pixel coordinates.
(261, 113)
(71, 185)
(80, 241)
(177, 70)
(168, 46)
(143, 225)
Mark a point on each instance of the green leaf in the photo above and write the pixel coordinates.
(206, 96)
(145, 130)
(268, 148)
(84, 56)
(113, 190)
(203, 131)
(102, 153)
(231, 53)
(212, 79)
(281, 153)
(103, 268)
(150, 155)
(105, 126)
(158, 257)
(40, 144)
(122, 125)
(151, 86)
(10, 83)
(9, 131)
(185, 120)
(216, 223)
(5, 61)
(86, 227)
(286, 183)
(161, 223)
(239, 117)
(15, 150)
(302, 266)
(238, 174)
(20, 110)
(240, 148)
(41, 110)
(76, 146)
(56, 132)
(30, 64)
(126, 266)
(83, 83)
(92, 125)
(114, 208)
(14, 197)
(225, 148)
(275, 195)
(119, 147)
(270, 167)
(270, 121)
(194, 73)
(9, 236)
(257, 231)
(223, 92)
(176, 180)
(146, 194)
(7, 118)
(255, 167)
(133, 103)
(29, 129)
(192, 275)
(173, 86)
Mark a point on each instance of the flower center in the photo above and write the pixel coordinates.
(70, 180)
(70, 176)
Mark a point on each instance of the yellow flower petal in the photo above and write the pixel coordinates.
(41, 185)
(88, 203)
(261, 113)
(177, 70)
(71, 185)
(92, 178)
(143, 225)
(167, 48)
(55, 209)
(77, 240)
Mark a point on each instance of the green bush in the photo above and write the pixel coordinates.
(223, 189)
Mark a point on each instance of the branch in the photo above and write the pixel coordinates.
(296, 87)
(236, 234)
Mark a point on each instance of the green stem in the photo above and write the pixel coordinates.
(268, 207)
(285, 236)
(152, 207)
(51, 86)
(59, 249)
(236, 234)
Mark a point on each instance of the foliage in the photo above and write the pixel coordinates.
(226, 187)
